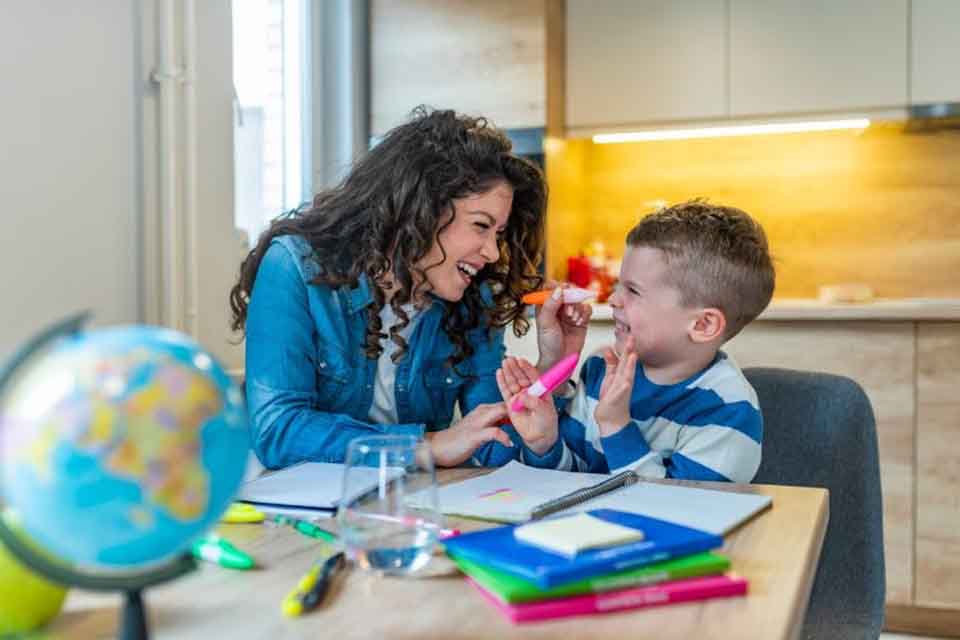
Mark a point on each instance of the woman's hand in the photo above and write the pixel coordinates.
(455, 444)
(561, 329)
(613, 407)
(537, 422)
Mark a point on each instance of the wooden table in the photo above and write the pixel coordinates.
(777, 552)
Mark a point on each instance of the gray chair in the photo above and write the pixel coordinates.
(819, 431)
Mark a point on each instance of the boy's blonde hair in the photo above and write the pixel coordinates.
(716, 257)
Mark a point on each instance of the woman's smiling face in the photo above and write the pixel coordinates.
(469, 242)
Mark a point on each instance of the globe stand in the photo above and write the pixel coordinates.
(133, 621)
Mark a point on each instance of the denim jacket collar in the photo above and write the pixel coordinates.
(359, 297)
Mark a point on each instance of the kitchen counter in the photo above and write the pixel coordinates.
(812, 309)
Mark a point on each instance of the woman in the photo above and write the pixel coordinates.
(383, 305)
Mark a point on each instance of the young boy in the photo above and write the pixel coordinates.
(665, 401)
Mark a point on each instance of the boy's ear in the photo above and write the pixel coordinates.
(709, 325)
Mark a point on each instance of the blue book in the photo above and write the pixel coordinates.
(499, 549)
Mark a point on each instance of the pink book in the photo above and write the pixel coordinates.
(687, 590)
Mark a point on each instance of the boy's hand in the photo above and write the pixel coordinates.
(455, 445)
(613, 407)
(537, 422)
(561, 328)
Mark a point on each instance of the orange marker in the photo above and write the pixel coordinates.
(571, 295)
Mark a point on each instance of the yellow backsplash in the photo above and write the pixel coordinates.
(881, 207)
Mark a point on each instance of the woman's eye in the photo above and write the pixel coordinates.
(482, 225)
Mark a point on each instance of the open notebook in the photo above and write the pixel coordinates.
(311, 485)
(512, 492)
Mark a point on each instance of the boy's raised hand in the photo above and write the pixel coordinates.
(537, 422)
(613, 408)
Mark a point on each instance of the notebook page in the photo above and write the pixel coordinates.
(310, 485)
(510, 493)
(717, 512)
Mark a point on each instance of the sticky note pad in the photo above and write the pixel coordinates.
(570, 535)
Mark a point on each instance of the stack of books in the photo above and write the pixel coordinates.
(598, 562)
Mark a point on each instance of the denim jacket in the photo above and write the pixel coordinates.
(310, 385)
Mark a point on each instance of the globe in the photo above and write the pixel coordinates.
(118, 448)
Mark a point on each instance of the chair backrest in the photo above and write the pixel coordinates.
(819, 430)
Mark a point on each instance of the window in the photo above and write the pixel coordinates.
(270, 75)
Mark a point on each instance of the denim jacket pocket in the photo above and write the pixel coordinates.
(333, 375)
(443, 385)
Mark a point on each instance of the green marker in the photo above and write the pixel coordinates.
(306, 528)
(219, 551)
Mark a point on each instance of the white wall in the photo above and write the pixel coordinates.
(79, 168)
(69, 163)
(221, 247)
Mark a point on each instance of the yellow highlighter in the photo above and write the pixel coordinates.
(240, 512)
(309, 592)
(292, 605)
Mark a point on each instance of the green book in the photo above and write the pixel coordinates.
(512, 589)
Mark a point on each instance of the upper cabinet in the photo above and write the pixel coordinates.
(817, 55)
(934, 51)
(482, 58)
(653, 62)
(645, 60)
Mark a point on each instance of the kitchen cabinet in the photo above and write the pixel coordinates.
(934, 51)
(938, 465)
(481, 58)
(646, 60)
(632, 63)
(817, 55)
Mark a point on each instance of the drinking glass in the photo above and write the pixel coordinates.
(388, 517)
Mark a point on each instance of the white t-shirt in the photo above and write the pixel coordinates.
(384, 407)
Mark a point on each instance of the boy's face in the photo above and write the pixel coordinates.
(649, 310)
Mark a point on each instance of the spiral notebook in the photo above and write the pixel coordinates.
(517, 493)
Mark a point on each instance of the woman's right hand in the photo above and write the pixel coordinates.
(455, 444)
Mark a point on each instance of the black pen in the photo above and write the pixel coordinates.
(314, 596)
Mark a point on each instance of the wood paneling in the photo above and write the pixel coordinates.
(879, 356)
(938, 465)
(566, 224)
(879, 208)
(556, 67)
(932, 624)
(482, 58)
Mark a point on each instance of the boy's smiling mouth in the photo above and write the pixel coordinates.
(620, 326)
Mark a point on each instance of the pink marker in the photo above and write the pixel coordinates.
(550, 380)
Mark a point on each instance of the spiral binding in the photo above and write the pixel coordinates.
(580, 496)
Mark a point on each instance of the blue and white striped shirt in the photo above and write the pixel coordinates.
(707, 427)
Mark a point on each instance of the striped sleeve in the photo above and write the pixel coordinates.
(718, 428)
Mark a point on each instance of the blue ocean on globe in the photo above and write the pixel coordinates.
(120, 446)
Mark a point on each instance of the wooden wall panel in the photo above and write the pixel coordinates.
(938, 465)
(880, 356)
(880, 208)
(482, 58)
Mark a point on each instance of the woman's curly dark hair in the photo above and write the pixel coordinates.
(384, 217)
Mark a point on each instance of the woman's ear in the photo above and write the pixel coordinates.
(709, 325)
